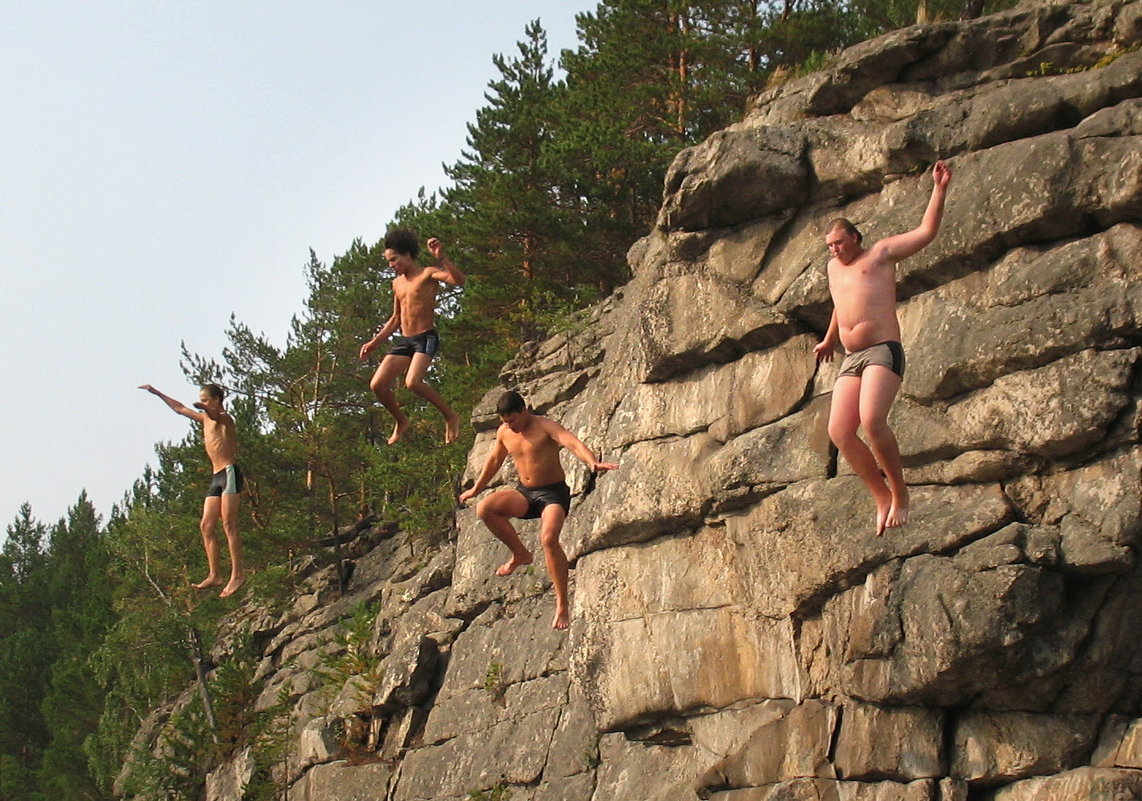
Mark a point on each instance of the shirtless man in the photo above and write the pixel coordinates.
(414, 304)
(862, 283)
(224, 494)
(534, 443)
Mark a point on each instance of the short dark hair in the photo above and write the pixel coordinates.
(214, 391)
(511, 402)
(403, 241)
(846, 225)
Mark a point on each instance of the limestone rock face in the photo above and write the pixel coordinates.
(738, 633)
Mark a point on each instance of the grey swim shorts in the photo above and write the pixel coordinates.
(886, 354)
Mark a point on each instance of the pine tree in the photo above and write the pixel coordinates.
(27, 649)
(81, 614)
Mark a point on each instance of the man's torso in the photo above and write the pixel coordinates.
(416, 296)
(864, 296)
(221, 442)
(535, 453)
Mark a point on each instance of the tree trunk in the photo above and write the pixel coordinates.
(972, 9)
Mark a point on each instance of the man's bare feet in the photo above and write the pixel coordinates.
(398, 431)
(561, 620)
(509, 567)
(883, 509)
(451, 429)
(207, 583)
(898, 512)
(232, 586)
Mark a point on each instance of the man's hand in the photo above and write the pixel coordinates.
(467, 495)
(368, 348)
(597, 466)
(941, 174)
(148, 388)
(824, 351)
(436, 248)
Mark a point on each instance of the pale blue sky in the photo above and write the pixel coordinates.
(164, 165)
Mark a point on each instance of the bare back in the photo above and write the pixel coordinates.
(864, 296)
(221, 440)
(416, 299)
(535, 452)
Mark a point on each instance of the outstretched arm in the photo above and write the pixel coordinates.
(491, 466)
(446, 272)
(175, 405)
(572, 443)
(902, 246)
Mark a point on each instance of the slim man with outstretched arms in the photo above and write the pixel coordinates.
(224, 494)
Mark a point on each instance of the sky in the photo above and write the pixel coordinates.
(166, 165)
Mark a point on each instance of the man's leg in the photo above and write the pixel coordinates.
(551, 525)
(382, 386)
(878, 389)
(211, 511)
(844, 419)
(414, 380)
(495, 511)
(230, 503)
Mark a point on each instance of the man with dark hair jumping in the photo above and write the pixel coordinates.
(534, 443)
(414, 306)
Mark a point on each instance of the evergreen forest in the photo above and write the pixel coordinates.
(562, 172)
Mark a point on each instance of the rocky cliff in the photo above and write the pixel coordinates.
(738, 634)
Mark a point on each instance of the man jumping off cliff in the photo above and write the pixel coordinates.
(534, 443)
(224, 493)
(862, 283)
(414, 304)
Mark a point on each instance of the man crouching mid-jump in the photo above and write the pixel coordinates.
(534, 443)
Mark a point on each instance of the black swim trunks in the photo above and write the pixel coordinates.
(426, 342)
(887, 354)
(227, 481)
(538, 498)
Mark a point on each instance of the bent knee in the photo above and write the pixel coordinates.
(842, 434)
(485, 509)
(877, 429)
(549, 540)
(379, 386)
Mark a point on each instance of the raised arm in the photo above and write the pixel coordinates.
(902, 246)
(446, 271)
(492, 466)
(175, 405)
(572, 443)
(386, 331)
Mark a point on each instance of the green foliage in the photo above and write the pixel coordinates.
(1049, 68)
(270, 735)
(353, 655)
(186, 747)
(591, 758)
(494, 683)
(499, 792)
(56, 608)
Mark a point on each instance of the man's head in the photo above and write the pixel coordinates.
(211, 395)
(512, 409)
(401, 248)
(843, 240)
